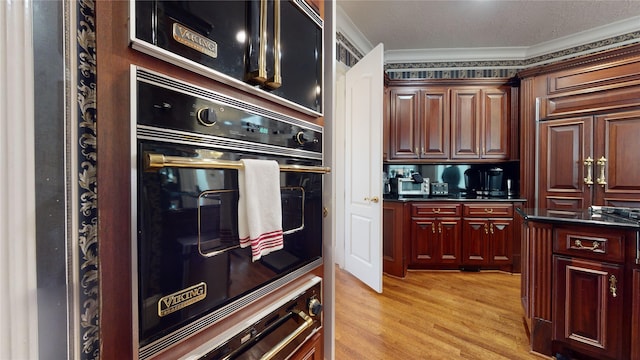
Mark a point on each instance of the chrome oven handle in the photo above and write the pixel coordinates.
(154, 162)
(308, 322)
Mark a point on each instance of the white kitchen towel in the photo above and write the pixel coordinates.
(260, 207)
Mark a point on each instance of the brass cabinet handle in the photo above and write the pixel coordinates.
(602, 181)
(486, 229)
(588, 162)
(488, 211)
(594, 247)
(613, 285)
(436, 211)
(276, 81)
(491, 228)
(433, 227)
(440, 228)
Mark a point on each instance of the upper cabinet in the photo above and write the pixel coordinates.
(580, 123)
(450, 122)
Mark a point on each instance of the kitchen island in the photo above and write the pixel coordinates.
(581, 282)
(445, 233)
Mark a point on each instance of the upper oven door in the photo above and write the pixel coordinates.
(189, 260)
(276, 45)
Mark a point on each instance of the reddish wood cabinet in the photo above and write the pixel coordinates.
(395, 228)
(435, 234)
(480, 123)
(590, 160)
(580, 289)
(487, 237)
(450, 121)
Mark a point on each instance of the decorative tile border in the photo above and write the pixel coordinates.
(85, 166)
(477, 69)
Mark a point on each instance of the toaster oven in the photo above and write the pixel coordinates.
(407, 186)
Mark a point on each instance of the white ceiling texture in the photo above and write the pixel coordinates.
(450, 30)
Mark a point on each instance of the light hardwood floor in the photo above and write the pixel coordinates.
(431, 315)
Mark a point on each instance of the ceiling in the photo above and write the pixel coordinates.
(461, 24)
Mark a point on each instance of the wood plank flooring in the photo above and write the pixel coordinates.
(431, 315)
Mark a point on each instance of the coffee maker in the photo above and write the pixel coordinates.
(494, 182)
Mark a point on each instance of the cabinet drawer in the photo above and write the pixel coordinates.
(607, 246)
(488, 210)
(435, 210)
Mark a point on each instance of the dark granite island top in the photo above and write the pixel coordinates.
(586, 216)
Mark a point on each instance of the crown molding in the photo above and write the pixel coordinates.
(454, 54)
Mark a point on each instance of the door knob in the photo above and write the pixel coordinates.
(373, 199)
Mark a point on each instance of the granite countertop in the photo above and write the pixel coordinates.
(453, 198)
(576, 217)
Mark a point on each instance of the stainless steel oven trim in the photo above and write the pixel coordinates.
(162, 54)
(282, 300)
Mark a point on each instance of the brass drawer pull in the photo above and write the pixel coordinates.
(613, 288)
(602, 181)
(594, 247)
(436, 211)
(488, 211)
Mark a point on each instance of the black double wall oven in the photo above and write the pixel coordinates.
(271, 48)
(189, 271)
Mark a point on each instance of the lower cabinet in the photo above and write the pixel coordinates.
(459, 235)
(587, 306)
(487, 237)
(395, 228)
(435, 234)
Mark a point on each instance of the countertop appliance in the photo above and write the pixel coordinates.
(235, 43)
(494, 182)
(410, 187)
(188, 269)
(439, 189)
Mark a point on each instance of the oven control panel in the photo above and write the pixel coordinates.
(171, 109)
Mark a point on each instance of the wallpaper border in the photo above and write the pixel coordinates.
(348, 55)
(85, 168)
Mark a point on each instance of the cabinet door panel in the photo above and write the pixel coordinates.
(393, 261)
(424, 241)
(404, 112)
(465, 122)
(475, 242)
(501, 241)
(434, 127)
(616, 140)
(449, 231)
(588, 306)
(496, 139)
(564, 147)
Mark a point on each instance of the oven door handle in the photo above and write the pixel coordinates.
(307, 323)
(154, 162)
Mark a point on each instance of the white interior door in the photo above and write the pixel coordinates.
(363, 169)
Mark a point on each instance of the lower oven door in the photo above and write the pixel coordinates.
(189, 261)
